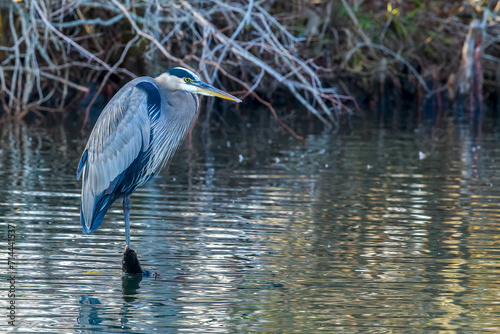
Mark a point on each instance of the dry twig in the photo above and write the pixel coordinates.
(248, 44)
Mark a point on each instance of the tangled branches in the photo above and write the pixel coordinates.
(55, 51)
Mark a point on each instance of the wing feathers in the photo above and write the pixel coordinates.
(81, 165)
(121, 135)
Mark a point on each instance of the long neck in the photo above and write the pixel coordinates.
(179, 113)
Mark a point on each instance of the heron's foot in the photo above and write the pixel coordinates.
(130, 262)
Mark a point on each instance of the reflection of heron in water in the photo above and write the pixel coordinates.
(89, 311)
(92, 312)
(135, 136)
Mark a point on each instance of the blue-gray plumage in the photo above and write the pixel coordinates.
(136, 134)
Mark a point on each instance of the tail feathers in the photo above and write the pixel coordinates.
(94, 208)
(93, 211)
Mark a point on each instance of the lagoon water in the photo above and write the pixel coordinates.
(385, 229)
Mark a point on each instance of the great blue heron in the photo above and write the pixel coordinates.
(136, 135)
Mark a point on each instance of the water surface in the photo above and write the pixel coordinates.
(381, 230)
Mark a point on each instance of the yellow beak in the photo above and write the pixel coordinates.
(208, 90)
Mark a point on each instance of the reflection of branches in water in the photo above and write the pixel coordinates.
(242, 42)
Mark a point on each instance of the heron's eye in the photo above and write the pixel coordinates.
(186, 80)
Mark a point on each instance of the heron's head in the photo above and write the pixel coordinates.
(179, 78)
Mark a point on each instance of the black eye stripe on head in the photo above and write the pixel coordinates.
(182, 73)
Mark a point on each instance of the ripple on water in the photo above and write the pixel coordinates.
(338, 234)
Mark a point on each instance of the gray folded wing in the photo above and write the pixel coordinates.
(121, 134)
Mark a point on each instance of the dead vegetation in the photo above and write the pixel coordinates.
(54, 53)
(53, 49)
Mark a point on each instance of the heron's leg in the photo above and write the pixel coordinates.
(126, 212)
